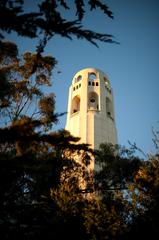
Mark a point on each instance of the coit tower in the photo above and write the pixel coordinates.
(90, 114)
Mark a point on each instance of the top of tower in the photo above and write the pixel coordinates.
(90, 74)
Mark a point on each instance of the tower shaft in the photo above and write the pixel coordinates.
(91, 114)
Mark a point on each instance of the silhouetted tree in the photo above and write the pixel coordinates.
(145, 192)
(47, 21)
(31, 156)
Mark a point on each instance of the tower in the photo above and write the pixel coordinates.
(90, 113)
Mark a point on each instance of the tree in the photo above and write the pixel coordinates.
(30, 154)
(145, 189)
(47, 20)
(130, 185)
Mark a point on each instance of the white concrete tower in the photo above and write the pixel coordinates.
(90, 113)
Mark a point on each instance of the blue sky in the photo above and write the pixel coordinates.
(132, 66)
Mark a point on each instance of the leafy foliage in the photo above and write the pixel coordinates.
(30, 155)
(47, 20)
(21, 81)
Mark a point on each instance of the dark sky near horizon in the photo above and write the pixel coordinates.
(132, 66)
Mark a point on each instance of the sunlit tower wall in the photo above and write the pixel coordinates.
(90, 114)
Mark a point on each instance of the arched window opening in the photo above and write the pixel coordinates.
(92, 76)
(75, 104)
(93, 101)
(79, 78)
(109, 108)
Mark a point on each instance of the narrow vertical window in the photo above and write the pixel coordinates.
(109, 108)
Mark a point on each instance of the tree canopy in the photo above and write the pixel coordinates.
(47, 21)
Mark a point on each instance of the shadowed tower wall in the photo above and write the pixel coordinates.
(90, 113)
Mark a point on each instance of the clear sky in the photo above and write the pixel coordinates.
(132, 66)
